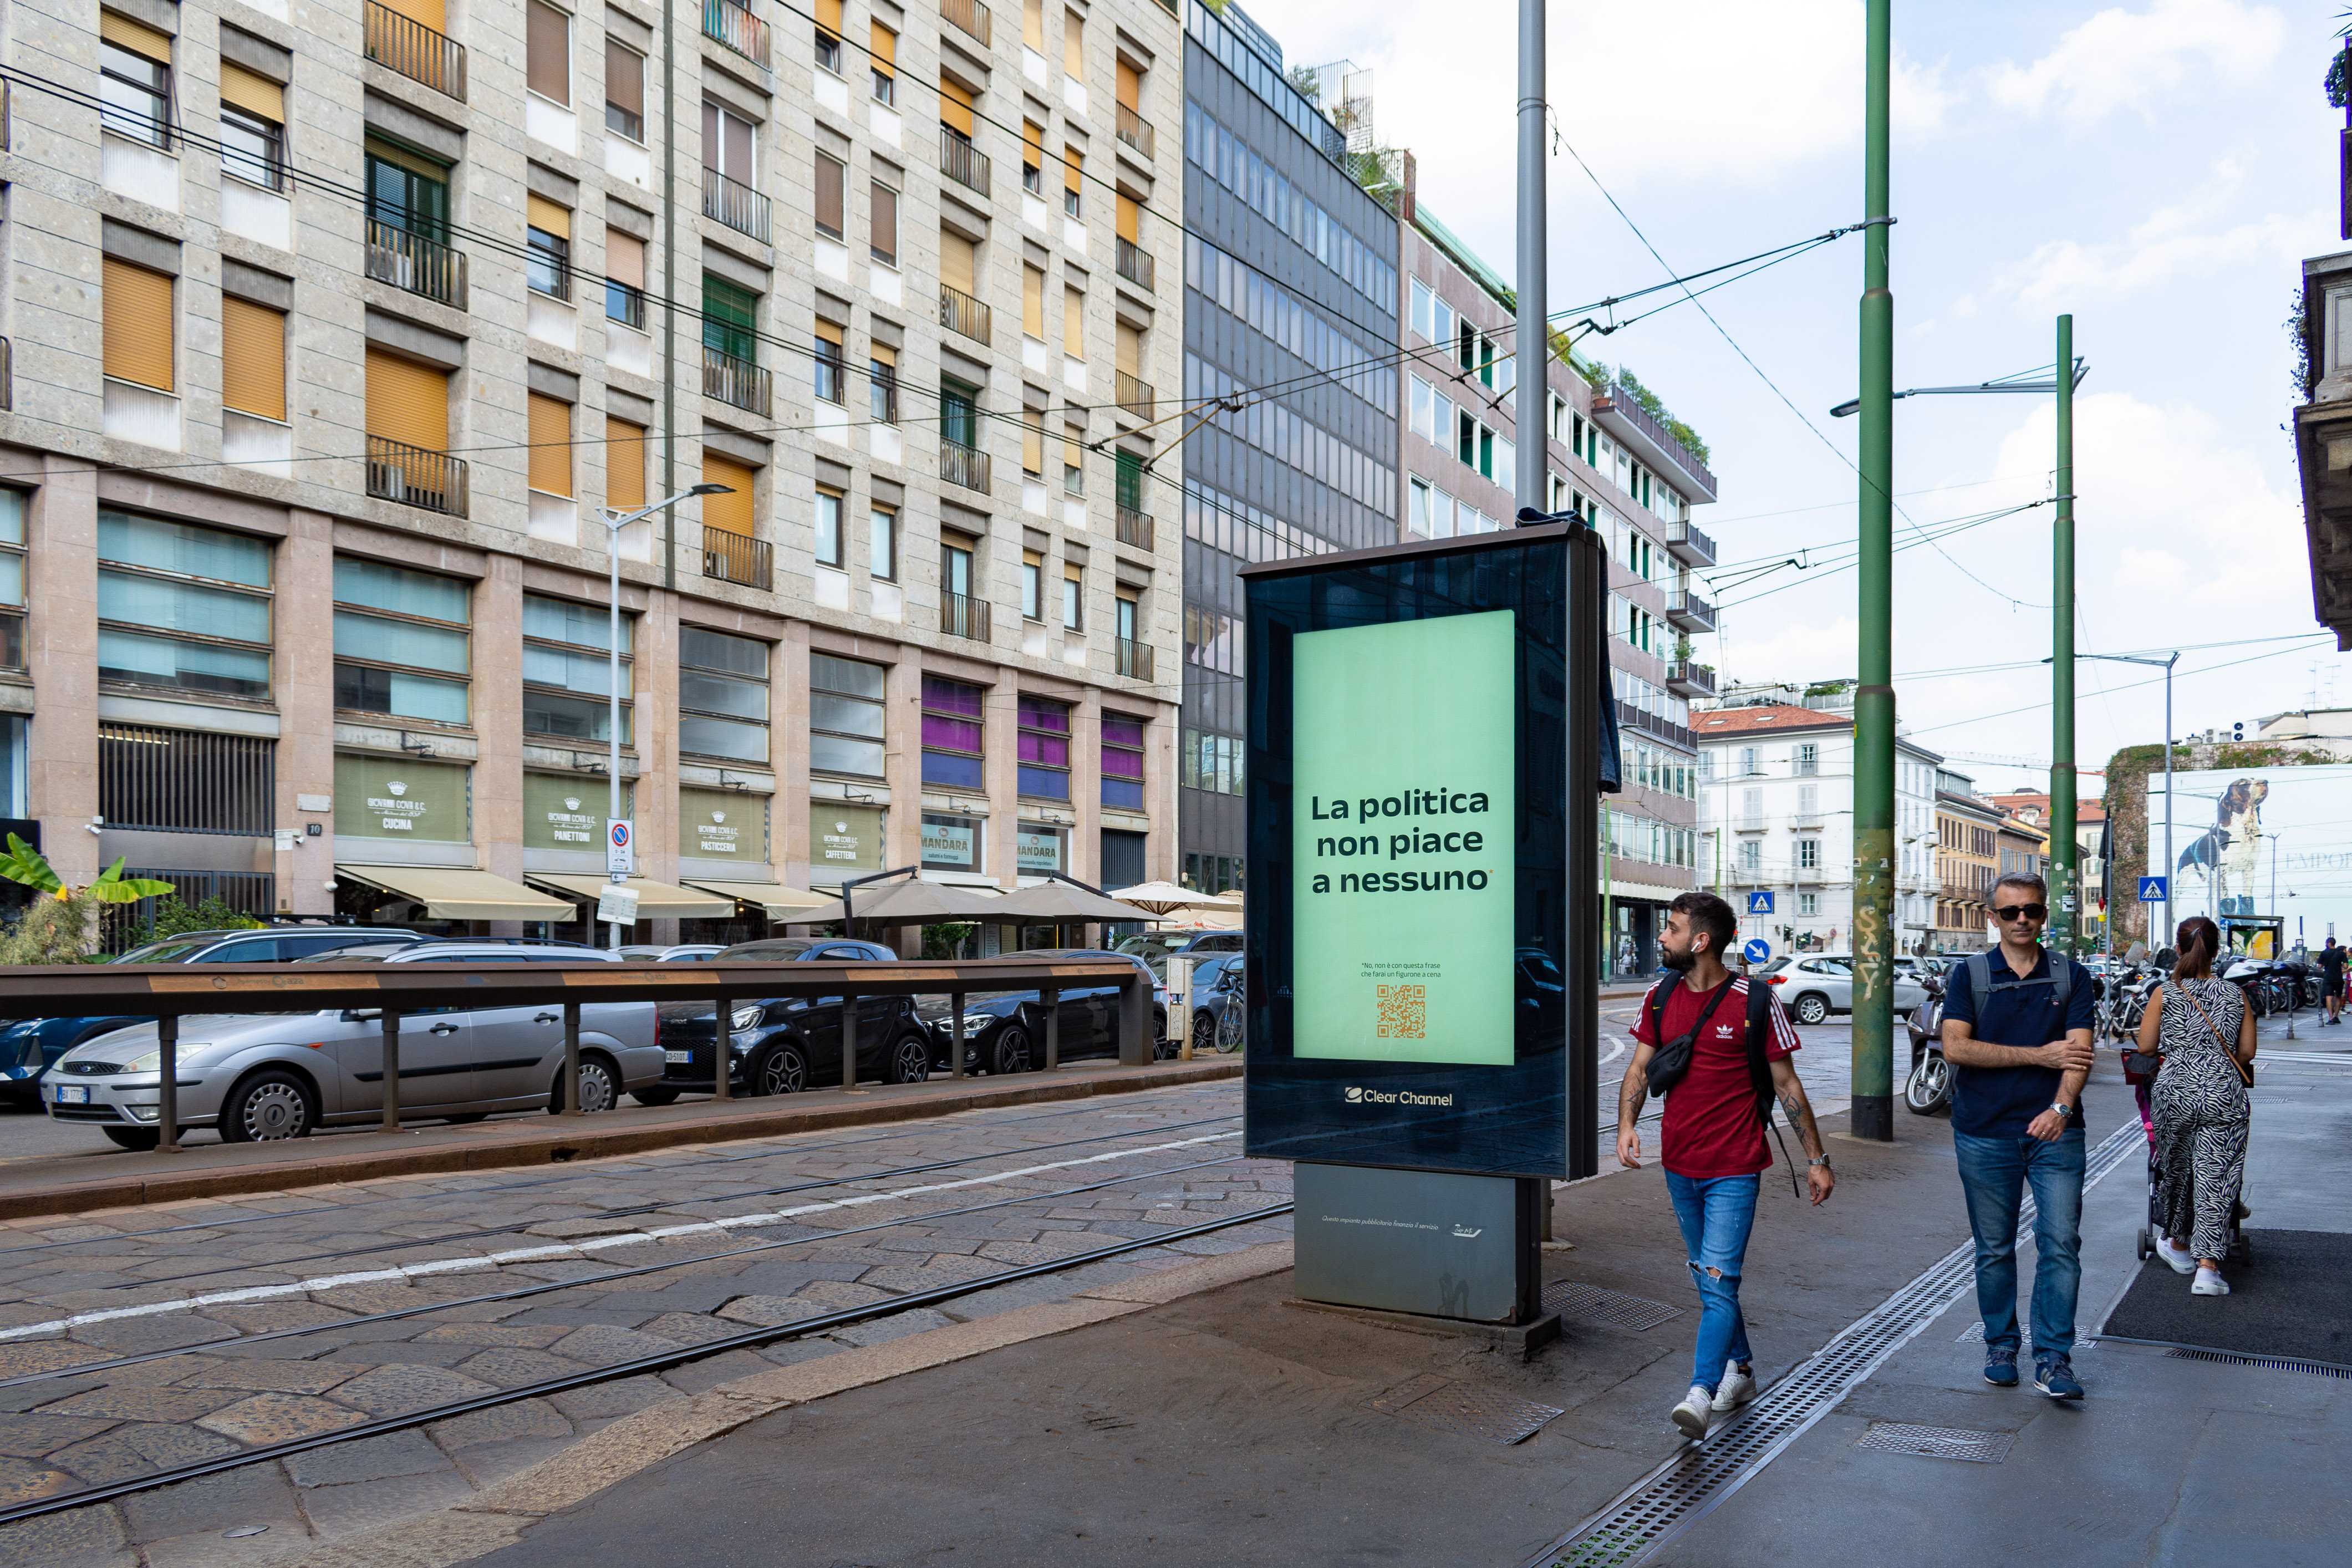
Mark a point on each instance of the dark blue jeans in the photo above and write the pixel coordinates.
(1715, 1216)
(1993, 1173)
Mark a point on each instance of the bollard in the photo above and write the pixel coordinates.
(572, 1058)
(955, 1026)
(848, 1042)
(391, 1071)
(1053, 1001)
(722, 1049)
(1135, 1021)
(167, 1084)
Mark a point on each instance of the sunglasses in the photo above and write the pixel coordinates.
(2022, 912)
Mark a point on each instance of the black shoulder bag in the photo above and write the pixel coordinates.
(1759, 1072)
(1672, 1059)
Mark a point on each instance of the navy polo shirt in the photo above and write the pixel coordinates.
(2000, 1102)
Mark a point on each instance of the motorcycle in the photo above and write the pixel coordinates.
(1928, 1089)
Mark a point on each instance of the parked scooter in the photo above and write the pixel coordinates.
(1929, 1090)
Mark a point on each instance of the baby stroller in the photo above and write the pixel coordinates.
(2239, 1252)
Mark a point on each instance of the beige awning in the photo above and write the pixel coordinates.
(781, 903)
(455, 893)
(1649, 891)
(655, 901)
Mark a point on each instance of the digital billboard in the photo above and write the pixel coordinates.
(2257, 841)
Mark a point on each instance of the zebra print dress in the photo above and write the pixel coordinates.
(2201, 1114)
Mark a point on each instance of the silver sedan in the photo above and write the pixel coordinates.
(1812, 985)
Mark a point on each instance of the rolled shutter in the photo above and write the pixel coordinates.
(624, 78)
(828, 195)
(1131, 350)
(830, 332)
(625, 258)
(1032, 443)
(550, 444)
(547, 51)
(731, 512)
(1074, 168)
(828, 16)
(136, 37)
(1033, 301)
(1074, 323)
(1131, 87)
(433, 14)
(1129, 224)
(1032, 24)
(884, 50)
(253, 358)
(886, 356)
(955, 107)
(1034, 136)
(548, 218)
(957, 261)
(140, 327)
(624, 464)
(1074, 45)
(241, 89)
(407, 402)
(883, 239)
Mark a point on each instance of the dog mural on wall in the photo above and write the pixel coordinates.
(2227, 850)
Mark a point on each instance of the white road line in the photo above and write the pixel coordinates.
(473, 1262)
(1616, 1048)
(2316, 1058)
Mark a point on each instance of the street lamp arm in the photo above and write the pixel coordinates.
(2082, 369)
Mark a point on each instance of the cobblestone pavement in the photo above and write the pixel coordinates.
(109, 1373)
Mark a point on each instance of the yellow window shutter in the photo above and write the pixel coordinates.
(1074, 323)
(1032, 24)
(140, 327)
(1074, 168)
(1032, 558)
(1033, 442)
(955, 106)
(828, 16)
(829, 331)
(1033, 300)
(550, 444)
(242, 88)
(884, 50)
(433, 14)
(1129, 223)
(549, 219)
(1074, 44)
(1073, 450)
(136, 37)
(407, 402)
(957, 262)
(1131, 350)
(1131, 87)
(253, 358)
(625, 258)
(731, 512)
(624, 464)
(1034, 136)
(886, 356)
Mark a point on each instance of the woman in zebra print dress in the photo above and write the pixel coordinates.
(2203, 1029)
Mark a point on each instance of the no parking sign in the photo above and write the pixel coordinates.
(620, 847)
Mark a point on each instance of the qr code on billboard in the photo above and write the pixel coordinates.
(1404, 1012)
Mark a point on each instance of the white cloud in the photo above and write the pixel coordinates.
(2143, 60)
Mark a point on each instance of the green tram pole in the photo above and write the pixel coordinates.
(2064, 916)
(1872, 1114)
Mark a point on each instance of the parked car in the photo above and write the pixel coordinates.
(267, 1075)
(676, 952)
(1216, 991)
(1812, 985)
(1005, 1031)
(29, 1048)
(1155, 946)
(786, 1044)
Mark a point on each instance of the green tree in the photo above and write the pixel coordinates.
(62, 928)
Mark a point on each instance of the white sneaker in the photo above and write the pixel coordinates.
(2208, 1283)
(1691, 1415)
(2183, 1261)
(1736, 1388)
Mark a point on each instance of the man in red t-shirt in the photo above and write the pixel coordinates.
(1713, 1135)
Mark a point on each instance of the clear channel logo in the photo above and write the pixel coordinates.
(1356, 1094)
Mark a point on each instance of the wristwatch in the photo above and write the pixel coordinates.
(2062, 1108)
(1823, 1162)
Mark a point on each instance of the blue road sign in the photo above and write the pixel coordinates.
(1758, 949)
(2151, 889)
(1759, 904)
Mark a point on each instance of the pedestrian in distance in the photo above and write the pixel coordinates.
(1720, 1046)
(2205, 1033)
(2016, 1036)
(2331, 976)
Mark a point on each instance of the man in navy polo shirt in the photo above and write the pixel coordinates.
(2019, 1058)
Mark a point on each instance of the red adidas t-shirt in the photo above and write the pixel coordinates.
(1711, 1126)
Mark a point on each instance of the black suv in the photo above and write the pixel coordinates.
(1005, 1031)
(790, 1043)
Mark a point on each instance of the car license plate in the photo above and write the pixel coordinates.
(678, 1058)
(73, 1094)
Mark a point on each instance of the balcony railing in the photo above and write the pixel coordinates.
(1134, 659)
(1136, 131)
(969, 14)
(1960, 892)
(1686, 679)
(1688, 546)
(1687, 610)
(415, 264)
(734, 557)
(1631, 717)
(962, 162)
(7, 375)
(724, 22)
(1135, 266)
(432, 482)
(961, 616)
(1622, 417)
(962, 465)
(1133, 527)
(959, 312)
(1134, 396)
(736, 205)
(416, 50)
(738, 383)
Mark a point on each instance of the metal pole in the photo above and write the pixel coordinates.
(1873, 1115)
(848, 1042)
(722, 1053)
(2168, 870)
(1053, 1004)
(391, 1071)
(613, 711)
(2063, 851)
(167, 1083)
(955, 1026)
(1533, 333)
(572, 1058)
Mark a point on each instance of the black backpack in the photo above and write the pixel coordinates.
(1759, 1066)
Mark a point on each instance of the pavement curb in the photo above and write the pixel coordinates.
(558, 1143)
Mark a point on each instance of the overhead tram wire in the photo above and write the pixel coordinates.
(2127, 685)
(1929, 535)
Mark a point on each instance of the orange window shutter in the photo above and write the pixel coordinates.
(624, 464)
(139, 324)
(1033, 444)
(1130, 222)
(407, 402)
(957, 261)
(1074, 44)
(731, 512)
(1074, 168)
(254, 93)
(1131, 87)
(1033, 300)
(828, 16)
(548, 218)
(1033, 134)
(433, 14)
(955, 106)
(885, 49)
(136, 37)
(625, 258)
(1131, 350)
(1074, 323)
(550, 444)
(1032, 24)
(253, 358)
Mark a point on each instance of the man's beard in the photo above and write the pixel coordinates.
(1680, 962)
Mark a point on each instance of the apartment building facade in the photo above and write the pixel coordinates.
(1290, 301)
(330, 341)
(1968, 860)
(2032, 808)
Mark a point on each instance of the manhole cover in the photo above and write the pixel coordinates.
(1590, 1304)
(1938, 1442)
(1489, 1415)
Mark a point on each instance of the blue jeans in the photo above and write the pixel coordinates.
(1716, 1214)
(1992, 1172)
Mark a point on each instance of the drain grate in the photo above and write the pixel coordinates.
(1685, 1487)
(1975, 1332)
(2269, 1362)
(1590, 1304)
(1937, 1442)
(1469, 1409)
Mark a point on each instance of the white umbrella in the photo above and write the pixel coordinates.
(1160, 898)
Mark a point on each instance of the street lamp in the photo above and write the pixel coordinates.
(2165, 664)
(613, 523)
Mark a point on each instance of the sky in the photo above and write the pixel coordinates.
(2156, 169)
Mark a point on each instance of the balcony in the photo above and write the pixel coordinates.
(961, 616)
(1686, 679)
(430, 482)
(737, 206)
(1688, 546)
(1646, 437)
(1686, 610)
(1134, 396)
(1136, 131)
(732, 557)
(959, 312)
(738, 383)
(415, 51)
(1135, 266)
(962, 162)
(1134, 660)
(1133, 527)
(415, 264)
(733, 25)
(969, 14)
(962, 465)
(1962, 893)
(1630, 717)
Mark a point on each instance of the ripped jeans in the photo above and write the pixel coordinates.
(1716, 1214)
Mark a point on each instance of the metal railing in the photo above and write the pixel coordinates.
(1617, 400)
(1687, 543)
(962, 465)
(961, 616)
(1683, 605)
(738, 383)
(1136, 131)
(416, 50)
(1631, 717)
(1134, 659)
(1134, 265)
(962, 162)
(959, 312)
(724, 22)
(1134, 396)
(158, 779)
(1132, 527)
(1689, 678)
(431, 481)
(734, 204)
(969, 14)
(414, 264)
(733, 557)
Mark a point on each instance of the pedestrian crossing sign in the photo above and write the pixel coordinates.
(2151, 889)
(1759, 902)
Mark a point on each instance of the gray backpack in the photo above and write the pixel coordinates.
(2061, 979)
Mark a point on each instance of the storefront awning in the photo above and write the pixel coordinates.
(655, 901)
(454, 893)
(783, 904)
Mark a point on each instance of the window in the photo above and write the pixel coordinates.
(624, 464)
(722, 696)
(883, 241)
(1044, 765)
(845, 714)
(1032, 585)
(953, 843)
(181, 606)
(1032, 24)
(1127, 617)
(550, 444)
(955, 110)
(1074, 322)
(729, 144)
(1033, 301)
(829, 35)
(1808, 854)
(955, 567)
(253, 127)
(402, 641)
(831, 368)
(1032, 443)
(828, 526)
(1422, 314)
(134, 81)
(728, 314)
(1419, 518)
(951, 732)
(1074, 460)
(1074, 596)
(882, 543)
(1074, 164)
(625, 90)
(1033, 157)
(882, 383)
(253, 359)
(547, 50)
(1126, 480)
(1751, 761)
(1211, 761)
(625, 278)
(882, 55)
(12, 586)
(958, 413)
(1807, 905)
(1074, 45)
(140, 324)
(566, 685)
(1809, 760)
(548, 267)
(1808, 803)
(1122, 761)
(829, 187)
(1751, 856)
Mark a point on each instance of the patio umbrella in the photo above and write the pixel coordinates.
(917, 902)
(1060, 903)
(1160, 898)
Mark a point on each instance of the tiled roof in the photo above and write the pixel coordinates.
(1762, 719)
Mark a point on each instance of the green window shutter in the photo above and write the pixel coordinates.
(729, 315)
(1128, 478)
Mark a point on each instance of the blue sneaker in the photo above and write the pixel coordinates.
(2000, 1368)
(2054, 1376)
